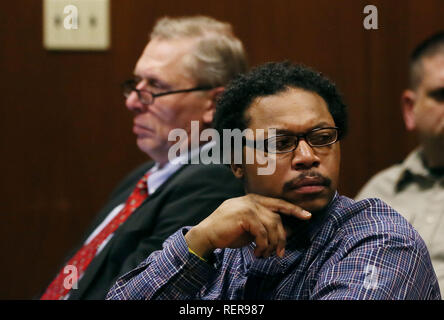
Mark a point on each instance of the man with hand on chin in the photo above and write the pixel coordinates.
(265, 245)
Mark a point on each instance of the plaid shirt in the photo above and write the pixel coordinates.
(354, 250)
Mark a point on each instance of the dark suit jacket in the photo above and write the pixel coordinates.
(187, 197)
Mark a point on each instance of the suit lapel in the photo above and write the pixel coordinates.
(98, 261)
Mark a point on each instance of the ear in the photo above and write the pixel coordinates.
(210, 109)
(408, 101)
(237, 170)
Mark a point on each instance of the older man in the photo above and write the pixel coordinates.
(177, 79)
(265, 245)
(415, 187)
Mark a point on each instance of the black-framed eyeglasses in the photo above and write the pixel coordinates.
(147, 97)
(283, 143)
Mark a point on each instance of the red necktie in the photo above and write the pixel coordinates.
(58, 289)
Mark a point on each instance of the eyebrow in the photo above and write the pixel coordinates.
(152, 79)
(322, 124)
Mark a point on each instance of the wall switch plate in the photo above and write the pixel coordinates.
(76, 24)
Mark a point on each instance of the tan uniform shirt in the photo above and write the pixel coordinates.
(419, 196)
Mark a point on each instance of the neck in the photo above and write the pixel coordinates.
(433, 151)
(180, 150)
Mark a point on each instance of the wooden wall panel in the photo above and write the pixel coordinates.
(66, 136)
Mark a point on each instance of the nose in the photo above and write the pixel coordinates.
(133, 103)
(304, 157)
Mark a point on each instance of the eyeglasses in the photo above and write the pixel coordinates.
(147, 97)
(283, 143)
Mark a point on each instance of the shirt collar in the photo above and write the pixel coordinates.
(304, 233)
(307, 230)
(413, 166)
(157, 176)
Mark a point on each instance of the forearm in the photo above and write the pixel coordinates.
(172, 273)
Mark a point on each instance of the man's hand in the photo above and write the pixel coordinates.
(239, 221)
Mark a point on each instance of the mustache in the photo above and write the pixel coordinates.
(306, 178)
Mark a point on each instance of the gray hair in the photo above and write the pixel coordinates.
(218, 55)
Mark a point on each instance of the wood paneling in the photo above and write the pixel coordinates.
(66, 136)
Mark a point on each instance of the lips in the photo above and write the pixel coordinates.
(140, 129)
(308, 184)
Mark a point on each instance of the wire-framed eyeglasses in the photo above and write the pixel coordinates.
(147, 97)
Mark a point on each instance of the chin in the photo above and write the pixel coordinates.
(145, 145)
(314, 207)
(313, 203)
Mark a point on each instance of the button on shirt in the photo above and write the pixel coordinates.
(353, 250)
(418, 195)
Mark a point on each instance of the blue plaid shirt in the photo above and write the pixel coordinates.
(354, 250)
